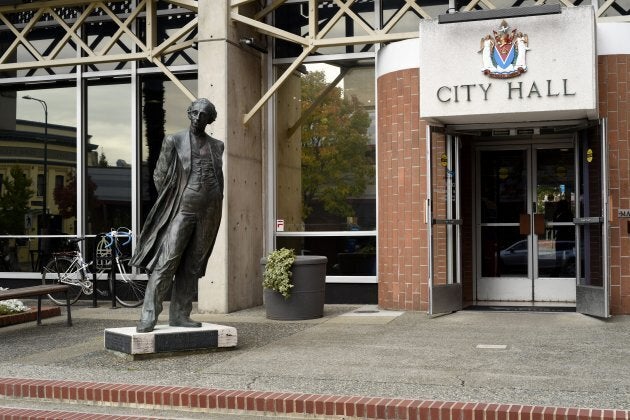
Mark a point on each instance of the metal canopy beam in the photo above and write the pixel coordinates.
(48, 13)
(315, 39)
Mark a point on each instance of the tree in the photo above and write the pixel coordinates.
(102, 160)
(65, 196)
(336, 162)
(14, 203)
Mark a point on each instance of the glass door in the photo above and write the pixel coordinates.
(503, 225)
(525, 229)
(444, 222)
(554, 229)
(593, 288)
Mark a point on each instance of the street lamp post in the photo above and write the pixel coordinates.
(45, 186)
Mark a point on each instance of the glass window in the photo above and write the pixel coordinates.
(347, 255)
(108, 157)
(37, 144)
(40, 185)
(325, 167)
(164, 108)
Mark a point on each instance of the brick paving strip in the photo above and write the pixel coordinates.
(274, 403)
(29, 414)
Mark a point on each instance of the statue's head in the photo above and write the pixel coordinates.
(206, 106)
(201, 113)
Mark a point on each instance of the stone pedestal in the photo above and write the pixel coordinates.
(165, 339)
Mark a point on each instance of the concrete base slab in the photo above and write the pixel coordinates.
(165, 339)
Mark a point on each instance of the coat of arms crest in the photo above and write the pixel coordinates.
(503, 52)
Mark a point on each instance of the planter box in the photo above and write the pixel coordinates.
(28, 316)
(307, 294)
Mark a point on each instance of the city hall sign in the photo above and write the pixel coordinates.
(510, 90)
(510, 69)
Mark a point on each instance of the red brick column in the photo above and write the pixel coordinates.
(402, 233)
(614, 95)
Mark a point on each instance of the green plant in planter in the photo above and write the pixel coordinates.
(277, 274)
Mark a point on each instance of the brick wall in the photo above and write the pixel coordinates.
(402, 233)
(403, 247)
(614, 95)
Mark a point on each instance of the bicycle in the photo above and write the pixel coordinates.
(70, 268)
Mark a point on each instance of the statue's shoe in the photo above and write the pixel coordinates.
(144, 327)
(184, 322)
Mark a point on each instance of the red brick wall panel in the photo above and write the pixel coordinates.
(614, 75)
(402, 233)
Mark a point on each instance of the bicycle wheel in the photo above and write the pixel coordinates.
(130, 286)
(60, 270)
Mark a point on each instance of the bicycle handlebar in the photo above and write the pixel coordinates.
(118, 233)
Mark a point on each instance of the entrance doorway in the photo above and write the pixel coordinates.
(521, 220)
(524, 229)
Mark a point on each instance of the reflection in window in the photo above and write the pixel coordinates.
(326, 166)
(164, 108)
(347, 256)
(37, 145)
(108, 157)
(40, 185)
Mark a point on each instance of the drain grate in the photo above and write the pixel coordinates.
(366, 311)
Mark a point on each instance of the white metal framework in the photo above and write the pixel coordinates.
(71, 46)
(317, 37)
(70, 15)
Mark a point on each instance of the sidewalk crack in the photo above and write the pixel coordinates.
(251, 383)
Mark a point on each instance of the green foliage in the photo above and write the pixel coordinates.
(277, 274)
(15, 202)
(65, 196)
(336, 161)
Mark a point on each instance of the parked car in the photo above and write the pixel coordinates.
(555, 258)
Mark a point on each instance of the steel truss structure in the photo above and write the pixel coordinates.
(317, 36)
(68, 33)
(136, 24)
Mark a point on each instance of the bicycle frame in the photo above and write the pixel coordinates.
(72, 269)
(77, 264)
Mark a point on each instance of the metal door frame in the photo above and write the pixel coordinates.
(530, 147)
(595, 300)
(497, 147)
(445, 298)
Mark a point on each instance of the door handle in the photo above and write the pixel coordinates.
(539, 224)
(524, 224)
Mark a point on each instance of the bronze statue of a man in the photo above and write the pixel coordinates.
(180, 231)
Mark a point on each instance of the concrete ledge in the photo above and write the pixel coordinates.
(167, 339)
(285, 404)
(28, 316)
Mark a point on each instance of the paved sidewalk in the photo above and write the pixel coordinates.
(529, 359)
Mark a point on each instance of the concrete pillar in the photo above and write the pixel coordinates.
(230, 75)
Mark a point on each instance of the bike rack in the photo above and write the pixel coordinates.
(111, 276)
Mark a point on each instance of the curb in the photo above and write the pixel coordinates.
(28, 316)
(293, 404)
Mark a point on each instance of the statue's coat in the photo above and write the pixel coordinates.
(171, 176)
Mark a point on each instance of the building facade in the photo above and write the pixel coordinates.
(440, 154)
